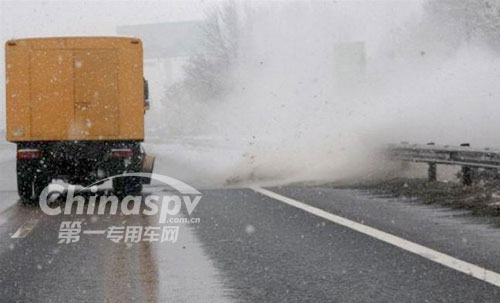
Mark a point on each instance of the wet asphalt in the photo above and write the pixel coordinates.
(251, 248)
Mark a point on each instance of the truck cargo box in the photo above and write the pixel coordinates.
(87, 88)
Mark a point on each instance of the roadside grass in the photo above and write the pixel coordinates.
(482, 198)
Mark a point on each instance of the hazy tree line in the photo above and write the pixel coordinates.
(208, 75)
(227, 25)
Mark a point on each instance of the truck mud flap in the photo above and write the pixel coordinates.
(148, 163)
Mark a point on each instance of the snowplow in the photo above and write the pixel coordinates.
(75, 109)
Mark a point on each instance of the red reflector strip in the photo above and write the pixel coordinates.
(122, 153)
(28, 153)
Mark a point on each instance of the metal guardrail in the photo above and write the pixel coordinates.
(471, 159)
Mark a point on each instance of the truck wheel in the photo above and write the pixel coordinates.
(127, 185)
(25, 187)
(30, 186)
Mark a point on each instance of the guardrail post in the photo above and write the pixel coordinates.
(466, 171)
(475, 164)
(466, 175)
(432, 172)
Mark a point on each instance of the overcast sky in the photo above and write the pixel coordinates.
(21, 19)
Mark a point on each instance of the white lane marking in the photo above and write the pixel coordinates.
(6, 207)
(425, 252)
(6, 214)
(9, 200)
(25, 229)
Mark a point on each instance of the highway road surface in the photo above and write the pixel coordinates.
(274, 244)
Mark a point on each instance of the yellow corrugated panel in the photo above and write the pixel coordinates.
(87, 88)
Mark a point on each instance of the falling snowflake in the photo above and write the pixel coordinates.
(249, 229)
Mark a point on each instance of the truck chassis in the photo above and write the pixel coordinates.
(77, 162)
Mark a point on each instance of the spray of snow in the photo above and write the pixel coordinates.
(290, 116)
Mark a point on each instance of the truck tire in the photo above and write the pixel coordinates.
(30, 185)
(25, 187)
(124, 186)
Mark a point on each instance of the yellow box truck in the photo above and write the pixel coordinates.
(75, 108)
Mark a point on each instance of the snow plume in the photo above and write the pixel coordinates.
(308, 90)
